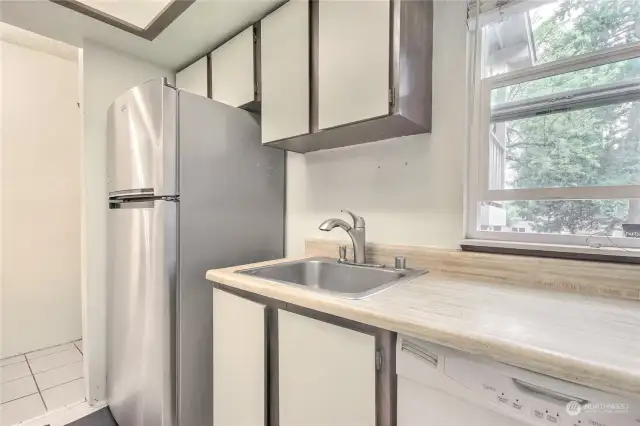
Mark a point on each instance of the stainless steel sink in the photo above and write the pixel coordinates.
(329, 276)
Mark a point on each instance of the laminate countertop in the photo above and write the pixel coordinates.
(589, 340)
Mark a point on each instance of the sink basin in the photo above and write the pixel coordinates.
(328, 275)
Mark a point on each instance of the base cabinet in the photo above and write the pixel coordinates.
(239, 370)
(281, 365)
(327, 374)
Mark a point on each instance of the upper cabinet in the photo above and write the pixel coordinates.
(284, 44)
(369, 73)
(234, 71)
(194, 78)
(328, 73)
(353, 61)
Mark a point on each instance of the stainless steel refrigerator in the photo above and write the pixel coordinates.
(190, 189)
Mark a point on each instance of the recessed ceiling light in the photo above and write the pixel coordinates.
(139, 13)
(145, 18)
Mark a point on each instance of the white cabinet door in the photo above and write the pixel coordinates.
(326, 375)
(232, 74)
(194, 78)
(238, 361)
(353, 61)
(284, 51)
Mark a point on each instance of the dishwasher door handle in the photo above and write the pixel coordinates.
(420, 353)
(555, 395)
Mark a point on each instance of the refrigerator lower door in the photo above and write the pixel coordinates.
(141, 301)
(142, 142)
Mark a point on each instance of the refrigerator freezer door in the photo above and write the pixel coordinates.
(141, 130)
(141, 300)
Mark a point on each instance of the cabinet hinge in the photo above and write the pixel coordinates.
(255, 35)
(378, 360)
(392, 97)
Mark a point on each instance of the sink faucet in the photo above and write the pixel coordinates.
(356, 232)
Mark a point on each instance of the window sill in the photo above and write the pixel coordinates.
(574, 252)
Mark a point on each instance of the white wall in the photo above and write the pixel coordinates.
(106, 74)
(410, 190)
(40, 185)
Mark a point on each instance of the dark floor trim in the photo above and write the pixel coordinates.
(101, 417)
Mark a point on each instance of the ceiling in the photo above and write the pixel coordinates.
(34, 41)
(203, 26)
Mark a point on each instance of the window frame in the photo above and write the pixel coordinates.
(477, 181)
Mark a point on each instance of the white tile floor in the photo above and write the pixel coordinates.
(41, 381)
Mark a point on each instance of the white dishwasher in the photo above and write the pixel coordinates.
(439, 386)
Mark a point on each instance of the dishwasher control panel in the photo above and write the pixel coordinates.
(529, 397)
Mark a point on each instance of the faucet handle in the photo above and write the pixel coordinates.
(342, 253)
(358, 221)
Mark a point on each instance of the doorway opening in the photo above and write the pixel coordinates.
(41, 346)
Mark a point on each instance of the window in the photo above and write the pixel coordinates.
(555, 140)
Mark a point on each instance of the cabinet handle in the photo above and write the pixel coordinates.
(539, 390)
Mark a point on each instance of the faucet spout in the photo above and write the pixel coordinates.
(356, 233)
(329, 224)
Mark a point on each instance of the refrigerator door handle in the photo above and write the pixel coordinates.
(137, 204)
(131, 193)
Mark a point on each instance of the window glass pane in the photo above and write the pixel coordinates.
(558, 30)
(589, 147)
(614, 218)
(582, 79)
